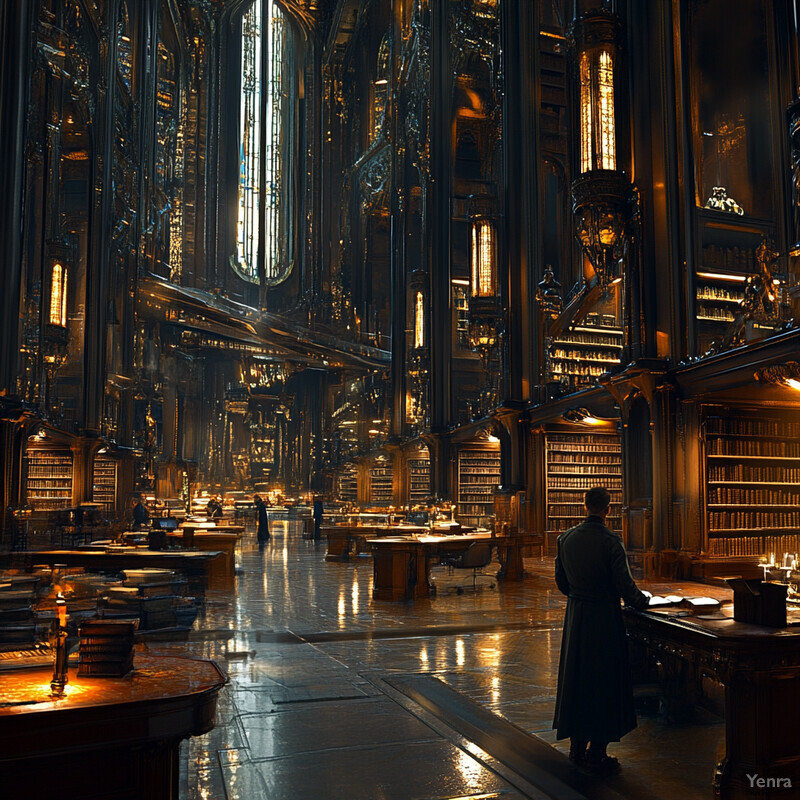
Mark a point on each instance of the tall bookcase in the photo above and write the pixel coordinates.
(380, 483)
(104, 482)
(49, 485)
(419, 480)
(753, 485)
(348, 484)
(478, 476)
(575, 463)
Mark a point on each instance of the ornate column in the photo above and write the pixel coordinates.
(439, 233)
(16, 25)
(98, 262)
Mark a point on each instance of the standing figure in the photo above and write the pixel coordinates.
(316, 513)
(594, 704)
(263, 522)
(141, 516)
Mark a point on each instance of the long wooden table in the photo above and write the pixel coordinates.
(401, 565)
(760, 670)
(198, 566)
(107, 737)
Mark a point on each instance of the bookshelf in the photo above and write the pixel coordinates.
(419, 480)
(380, 483)
(586, 351)
(348, 484)
(728, 255)
(49, 483)
(104, 482)
(752, 485)
(575, 463)
(478, 476)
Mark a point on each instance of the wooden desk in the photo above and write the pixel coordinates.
(347, 540)
(222, 539)
(198, 566)
(108, 737)
(401, 566)
(760, 670)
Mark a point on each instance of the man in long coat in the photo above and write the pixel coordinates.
(595, 698)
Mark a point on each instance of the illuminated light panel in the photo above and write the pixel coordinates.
(483, 251)
(58, 296)
(419, 321)
(722, 276)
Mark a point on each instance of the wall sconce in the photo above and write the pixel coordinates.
(582, 416)
(787, 375)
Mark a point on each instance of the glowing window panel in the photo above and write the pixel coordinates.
(586, 114)
(483, 279)
(276, 41)
(419, 321)
(605, 87)
(58, 296)
(250, 144)
(598, 149)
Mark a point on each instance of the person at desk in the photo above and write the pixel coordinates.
(214, 507)
(141, 516)
(594, 703)
(263, 522)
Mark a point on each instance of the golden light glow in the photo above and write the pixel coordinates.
(598, 129)
(586, 114)
(58, 296)
(722, 276)
(793, 383)
(419, 321)
(483, 259)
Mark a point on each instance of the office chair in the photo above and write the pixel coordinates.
(475, 557)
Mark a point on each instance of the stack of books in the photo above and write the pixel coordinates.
(106, 648)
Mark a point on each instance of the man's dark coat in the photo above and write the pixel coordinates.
(595, 698)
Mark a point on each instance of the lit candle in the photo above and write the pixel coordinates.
(61, 609)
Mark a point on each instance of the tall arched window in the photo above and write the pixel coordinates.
(266, 121)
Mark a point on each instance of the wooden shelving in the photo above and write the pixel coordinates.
(419, 480)
(586, 351)
(380, 483)
(49, 484)
(348, 484)
(104, 482)
(575, 463)
(752, 499)
(478, 477)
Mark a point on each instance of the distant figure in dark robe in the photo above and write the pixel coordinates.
(316, 513)
(263, 522)
(594, 705)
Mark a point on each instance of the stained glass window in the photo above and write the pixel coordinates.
(263, 139)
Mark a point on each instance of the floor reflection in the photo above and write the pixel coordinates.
(302, 716)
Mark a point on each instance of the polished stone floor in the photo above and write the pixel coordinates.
(333, 695)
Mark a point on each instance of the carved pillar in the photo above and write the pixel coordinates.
(16, 24)
(98, 262)
(398, 212)
(519, 36)
(663, 421)
(439, 233)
